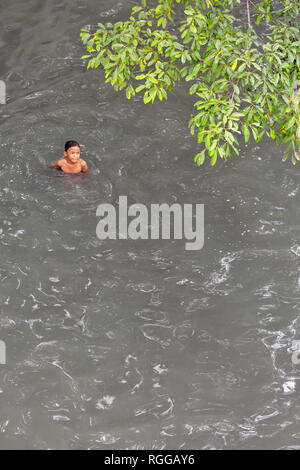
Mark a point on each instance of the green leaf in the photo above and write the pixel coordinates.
(147, 97)
(272, 133)
(140, 88)
(200, 158)
(290, 123)
(214, 158)
(246, 132)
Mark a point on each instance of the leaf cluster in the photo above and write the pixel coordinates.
(246, 84)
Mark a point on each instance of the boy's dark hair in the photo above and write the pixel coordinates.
(71, 143)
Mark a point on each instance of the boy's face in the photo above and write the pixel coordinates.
(73, 154)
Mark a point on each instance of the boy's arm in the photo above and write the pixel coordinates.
(84, 166)
(56, 164)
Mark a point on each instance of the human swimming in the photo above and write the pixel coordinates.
(71, 163)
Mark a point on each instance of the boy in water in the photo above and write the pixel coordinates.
(71, 163)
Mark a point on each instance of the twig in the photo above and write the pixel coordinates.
(248, 13)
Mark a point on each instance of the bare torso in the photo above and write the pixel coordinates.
(67, 167)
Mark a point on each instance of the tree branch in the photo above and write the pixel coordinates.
(248, 14)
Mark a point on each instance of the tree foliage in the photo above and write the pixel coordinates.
(244, 75)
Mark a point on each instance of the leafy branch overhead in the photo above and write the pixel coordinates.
(245, 76)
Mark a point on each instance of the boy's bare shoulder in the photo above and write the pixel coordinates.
(58, 163)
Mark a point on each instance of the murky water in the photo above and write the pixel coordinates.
(135, 345)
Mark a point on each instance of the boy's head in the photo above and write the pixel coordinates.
(72, 151)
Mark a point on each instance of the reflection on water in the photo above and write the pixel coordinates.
(138, 345)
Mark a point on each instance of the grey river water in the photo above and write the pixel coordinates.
(135, 344)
